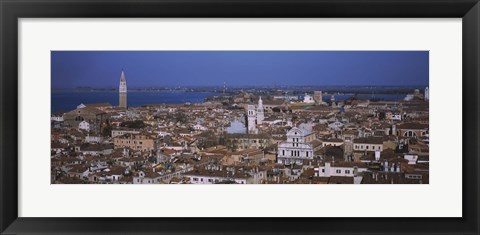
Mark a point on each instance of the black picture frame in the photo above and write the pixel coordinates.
(11, 11)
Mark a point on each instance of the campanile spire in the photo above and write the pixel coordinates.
(122, 90)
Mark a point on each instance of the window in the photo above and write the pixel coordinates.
(323, 170)
(307, 153)
(338, 171)
(195, 179)
(201, 179)
(347, 171)
(209, 180)
(366, 147)
(283, 152)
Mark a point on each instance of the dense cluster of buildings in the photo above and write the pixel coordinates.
(249, 137)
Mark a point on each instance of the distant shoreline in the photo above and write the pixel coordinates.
(115, 91)
(293, 90)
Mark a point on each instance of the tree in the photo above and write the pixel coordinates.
(107, 130)
(137, 124)
(152, 159)
(276, 109)
(180, 117)
(381, 116)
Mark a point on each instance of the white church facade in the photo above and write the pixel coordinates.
(297, 147)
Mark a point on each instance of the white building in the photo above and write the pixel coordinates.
(84, 125)
(412, 158)
(396, 117)
(409, 97)
(427, 95)
(120, 132)
(296, 148)
(93, 139)
(348, 169)
(199, 127)
(57, 118)
(212, 179)
(308, 99)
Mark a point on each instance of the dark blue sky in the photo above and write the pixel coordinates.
(238, 68)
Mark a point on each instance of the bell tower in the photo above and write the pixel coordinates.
(251, 119)
(260, 114)
(122, 91)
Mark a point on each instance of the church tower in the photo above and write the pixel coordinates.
(251, 119)
(122, 90)
(260, 114)
(426, 95)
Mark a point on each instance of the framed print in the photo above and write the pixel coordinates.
(203, 117)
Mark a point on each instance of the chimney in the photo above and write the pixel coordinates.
(377, 155)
